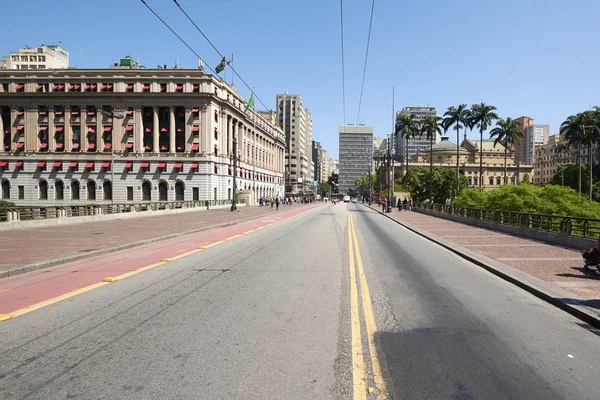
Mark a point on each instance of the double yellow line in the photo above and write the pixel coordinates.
(362, 384)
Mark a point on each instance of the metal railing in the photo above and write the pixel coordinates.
(574, 226)
(27, 213)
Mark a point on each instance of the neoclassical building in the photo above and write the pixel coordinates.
(131, 135)
(444, 155)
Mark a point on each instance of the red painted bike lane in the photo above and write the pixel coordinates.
(30, 290)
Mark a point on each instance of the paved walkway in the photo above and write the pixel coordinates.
(49, 245)
(557, 265)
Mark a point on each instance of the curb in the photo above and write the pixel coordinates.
(67, 259)
(535, 286)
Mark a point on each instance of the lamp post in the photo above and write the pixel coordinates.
(390, 172)
(235, 157)
(369, 184)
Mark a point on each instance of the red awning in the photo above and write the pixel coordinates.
(129, 113)
(20, 113)
(19, 164)
(145, 164)
(73, 164)
(105, 164)
(40, 86)
(59, 128)
(179, 129)
(194, 165)
(43, 128)
(41, 164)
(59, 87)
(109, 86)
(195, 129)
(107, 146)
(43, 145)
(129, 165)
(58, 112)
(146, 86)
(180, 147)
(43, 112)
(129, 128)
(57, 164)
(216, 131)
(60, 145)
(75, 112)
(107, 128)
(229, 167)
(20, 145)
(216, 147)
(75, 146)
(178, 165)
(148, 130)
(181, 114)
(129, 87)
(19, 87)
(148, 147)
(20, 128)
(163, 147)
(195, 109)
(216, 166)
(91, 129)
(162, 164)
(3, 164)
(163, 129)
(89, 165)
(179, 86)
(129, 146)
(91, 112)
(195, 146)
(196, 86)
(91, 146)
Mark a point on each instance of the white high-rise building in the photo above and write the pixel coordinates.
(41, 57)
(534, 135)
(416, 143)
(356, 154)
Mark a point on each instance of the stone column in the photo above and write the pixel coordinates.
(83, 138)
(187, 128)
(31, 128)
(67, 129)
(155, 131)
(2, 133)
(138, 130)
(231, 125)
(172, 132)
(51, 130)
(99, 129)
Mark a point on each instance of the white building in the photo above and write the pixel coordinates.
(534, 135)
(41, 57)
(356, 154)
(416, 143)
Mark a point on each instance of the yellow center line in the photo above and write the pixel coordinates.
(369, 318)
(358, 362)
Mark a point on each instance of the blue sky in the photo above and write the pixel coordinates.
(529, 57)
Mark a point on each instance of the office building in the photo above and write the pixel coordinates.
(131, 135)
(520, 152)
(534, 136)
(355, 153)
(41, 57)
(416, 143)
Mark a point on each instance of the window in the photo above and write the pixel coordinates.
(196, 88)
(107, 87)
(215, 190)
(179, 88)
(195, 194)
(228, 193)
(179, 191)
(146, 88)
(129, 87)
(59, 189)
(75, 190)
(20, 87)
(42, 58)
(216, 116)
(21, 190)
(43, 190)
(163, 87)
(107, 190)
(491, 181)
(5, 189)
(162, 191)
(129, 193)
(91, 190)
(146, 191)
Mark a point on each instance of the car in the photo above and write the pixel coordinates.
(346, 199)
(354, 200)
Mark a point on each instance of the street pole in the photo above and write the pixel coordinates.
(233, 205)
(390, 173)
(369, 184)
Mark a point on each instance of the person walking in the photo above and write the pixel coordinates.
(277, 203)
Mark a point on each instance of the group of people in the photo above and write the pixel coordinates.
(277, 200)
(406, 203)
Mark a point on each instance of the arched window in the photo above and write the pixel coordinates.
(179, 191)
(5, 189)
(498, 180)
(476, 181)
(75, 187)
(470, 180)
(512, 180)
(146, 191)
(525, 178)
(91, 190)
(43, 189)
(59, 190)
(107, 190)
(162, 191)
(491, 181)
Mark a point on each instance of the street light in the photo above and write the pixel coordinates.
(390, 172)
(235, 157)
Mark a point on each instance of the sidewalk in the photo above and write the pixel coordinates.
(24, 250)
(558, 267)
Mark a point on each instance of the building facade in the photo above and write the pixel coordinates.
(417, 143)
(127, 135)
(520, 152)
(296, 122)
(317, 151)
(355, 153)
(41, 57)
(534, 136)
(546, 160)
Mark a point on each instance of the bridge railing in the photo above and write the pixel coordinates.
(24, 213)
(574, 226)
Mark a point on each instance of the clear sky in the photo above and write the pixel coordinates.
(537, 58)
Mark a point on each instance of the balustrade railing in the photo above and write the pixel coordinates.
(575, 226)
(24, 213)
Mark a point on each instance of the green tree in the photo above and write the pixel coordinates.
(570, 172)
(430, 126)
(507, 132)
(573, 129)
(323, 189)
(457, 117)
(364, 182)
(333, 182)
(482, 116)
(407, 126)
(443, 183)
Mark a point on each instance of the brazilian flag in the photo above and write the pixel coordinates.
(221, 66)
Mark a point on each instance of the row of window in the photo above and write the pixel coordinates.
(26, 58)
(131, 87)
(475, 181)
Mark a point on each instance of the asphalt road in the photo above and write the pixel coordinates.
(269, 315)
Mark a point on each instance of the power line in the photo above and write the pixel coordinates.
(178, 37)
(218, 52)
(365, 66)
(343, 73)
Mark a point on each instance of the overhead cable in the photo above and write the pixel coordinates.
(365, 66)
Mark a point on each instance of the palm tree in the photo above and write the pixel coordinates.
(407, 126)
(455, 117)
(507, 132)
(573, 129)
(482, 116)
(430, 126)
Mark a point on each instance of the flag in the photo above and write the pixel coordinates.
(221, 66)
(250, 102)
(230, 59)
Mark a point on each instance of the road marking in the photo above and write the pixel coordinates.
(358, 362)
(5, 317)
(369, 317)
(213, 244)
(5, 290)
(56, 299)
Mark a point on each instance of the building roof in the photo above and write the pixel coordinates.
(445, 145)
(488, 145)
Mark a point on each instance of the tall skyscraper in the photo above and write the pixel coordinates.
(356, 153)
(535, 135)
(520, 146)
(296, 122)
(415, 143)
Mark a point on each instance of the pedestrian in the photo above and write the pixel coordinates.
(405, 203)
(410, 204)
(399, 205)
(277, 203)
